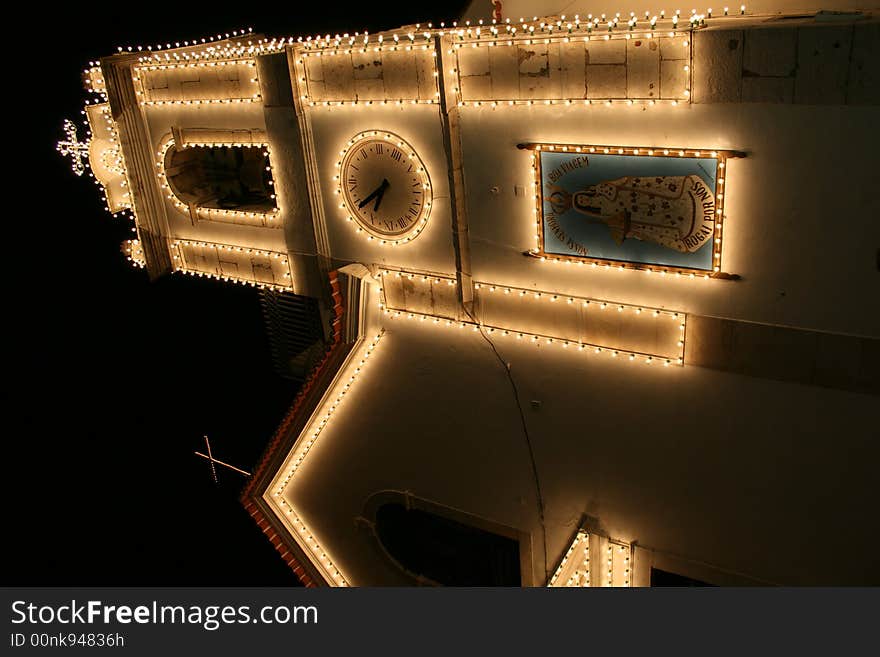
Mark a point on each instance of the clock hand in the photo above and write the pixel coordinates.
(385, 185)
(372, 195)
(379, 190)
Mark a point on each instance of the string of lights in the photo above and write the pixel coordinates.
(349, 374)
(152, 78)
(540, 338)
(613, 26)
(270, 217)
(580, 576)
(134, 253)
(423, 179)
(179, 249)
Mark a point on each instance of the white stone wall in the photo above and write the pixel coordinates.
(223, 79)
(350, 74)
(332, 128)
(793, 208)
(562, 68)
(746, 474)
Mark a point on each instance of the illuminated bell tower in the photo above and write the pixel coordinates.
(184, 140)
(272, 162)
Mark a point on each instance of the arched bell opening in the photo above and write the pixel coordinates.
(221, 177)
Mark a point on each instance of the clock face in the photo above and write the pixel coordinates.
(385, 186)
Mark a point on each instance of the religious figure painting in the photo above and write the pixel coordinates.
(642, 209)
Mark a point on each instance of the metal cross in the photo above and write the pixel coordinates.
(212, 460)
(73, 147)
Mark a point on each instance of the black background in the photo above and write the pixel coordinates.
(111, 381)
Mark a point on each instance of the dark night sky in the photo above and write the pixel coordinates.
(111, 381)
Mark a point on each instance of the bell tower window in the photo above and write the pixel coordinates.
(221, 177)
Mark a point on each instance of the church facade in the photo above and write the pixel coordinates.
(597, 292)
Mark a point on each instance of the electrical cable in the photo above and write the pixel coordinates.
(525, 428)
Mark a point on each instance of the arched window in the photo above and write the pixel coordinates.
(446, 551)
(221, 177)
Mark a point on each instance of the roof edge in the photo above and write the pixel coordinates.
(345, 335)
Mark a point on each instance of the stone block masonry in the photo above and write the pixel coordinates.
(806, 64)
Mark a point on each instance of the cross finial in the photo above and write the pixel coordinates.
(210, 457)
(73, 147)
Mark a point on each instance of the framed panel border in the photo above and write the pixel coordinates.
(721, 156)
